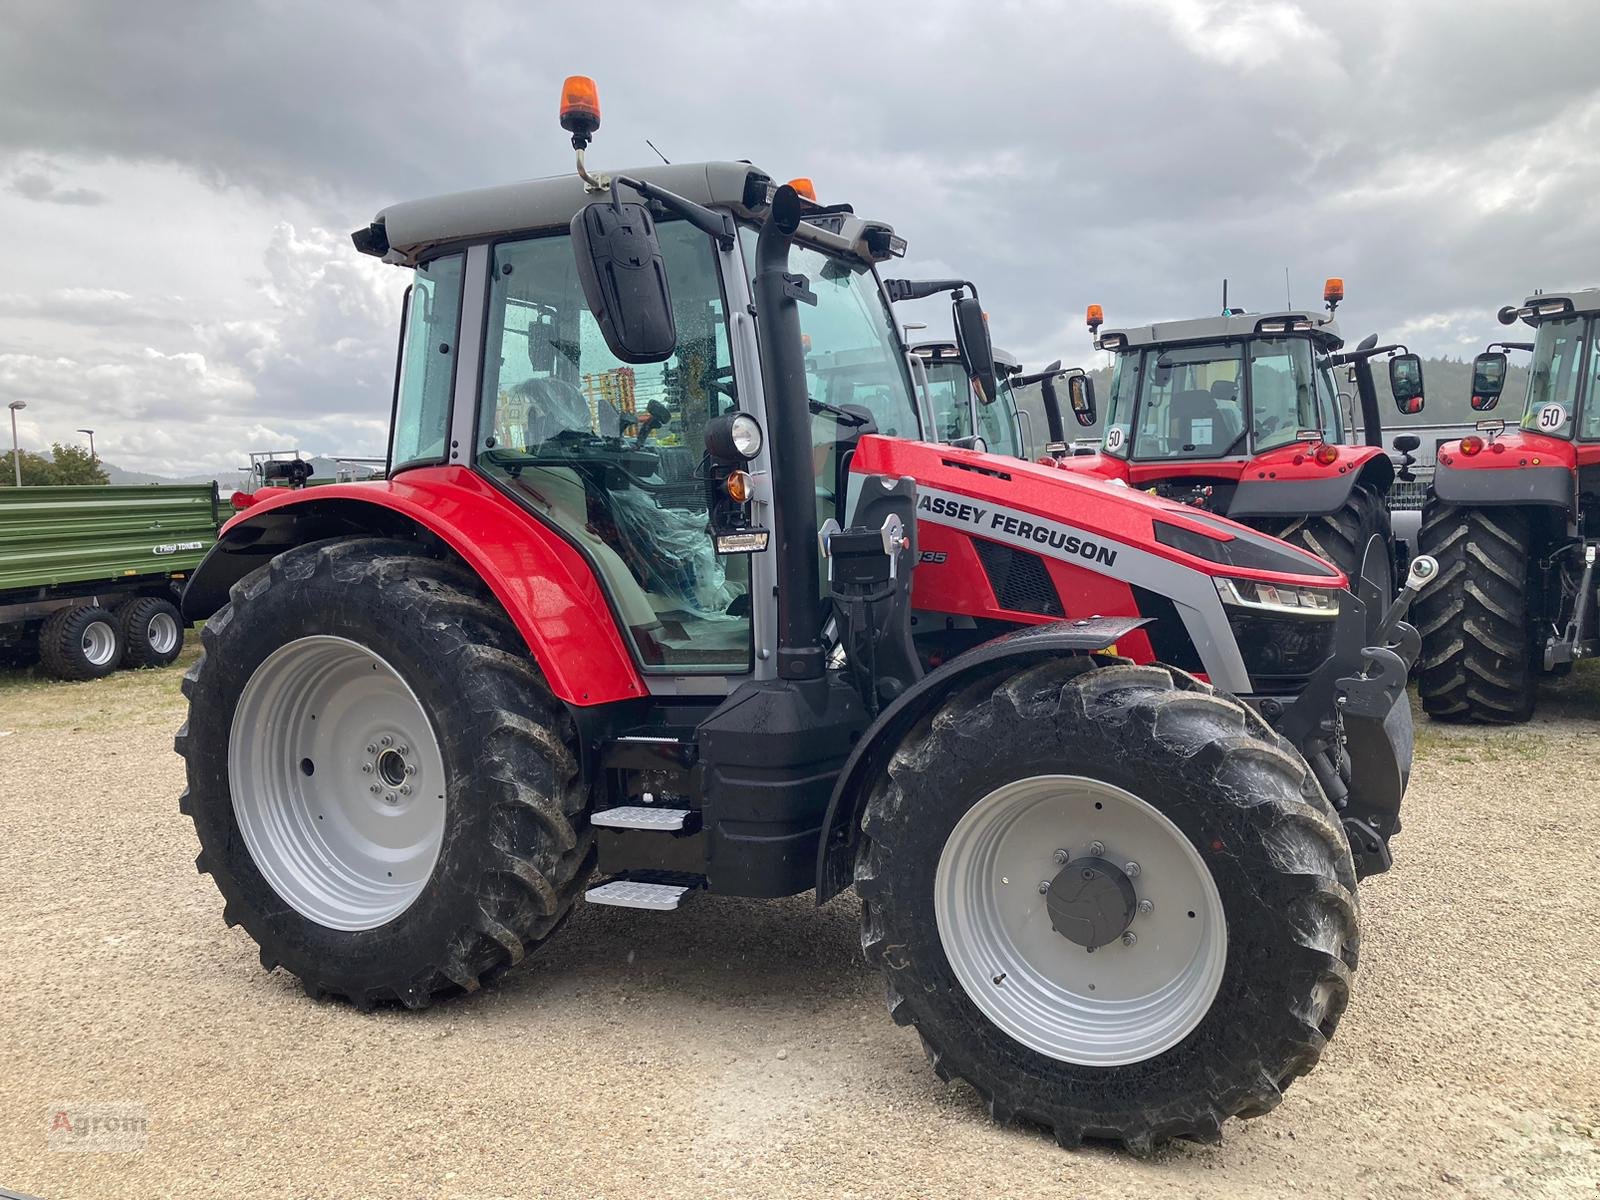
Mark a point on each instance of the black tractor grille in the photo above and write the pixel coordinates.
(1019, 579)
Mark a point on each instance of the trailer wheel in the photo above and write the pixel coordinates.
(79, 643)
(152, 631)
(1477, 639)
(1111, 899)
(1356, 538)
(385, 791)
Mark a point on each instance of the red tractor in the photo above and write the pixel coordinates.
(1239, 414)
(1514, 521)
(662, 586)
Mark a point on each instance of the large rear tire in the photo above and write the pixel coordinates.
(1242, 905)
(1358, 538)
(385, 791)
(1477, 651)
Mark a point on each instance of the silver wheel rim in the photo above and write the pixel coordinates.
(338, 783)
(161, 634)
(1112, 1006)
(99, 642)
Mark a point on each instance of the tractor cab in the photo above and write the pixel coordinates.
(1560, 403)
(1240, 414)
(956, 414)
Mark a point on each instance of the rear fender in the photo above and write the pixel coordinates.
(544, 584)
(1514, 469)
(1277, 485)
(1002, 656)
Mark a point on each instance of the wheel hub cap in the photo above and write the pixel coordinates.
(1091, 902)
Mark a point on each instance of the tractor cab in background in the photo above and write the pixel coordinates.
(1239, 414)
(957, 415)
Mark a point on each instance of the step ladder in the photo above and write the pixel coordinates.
(639, 893)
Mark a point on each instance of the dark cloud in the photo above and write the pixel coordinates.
(1441, 156)
(34, 185)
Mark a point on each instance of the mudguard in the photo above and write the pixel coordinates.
(542, 581)
(841, 826)
(1276, 485)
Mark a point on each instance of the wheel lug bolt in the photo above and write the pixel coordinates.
(1131, 870)
(411, 770)
(1044, 887)
(372, 747)
(366, 768)
(391, 798)
(386, 740)
(1096, 849)
(374, 789)
(1146, 907)
(1060, 857)
(404, 749)
(405, 789)
(1130, 938)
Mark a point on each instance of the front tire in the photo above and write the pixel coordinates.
(1357, 538)
(1236, 976)
(385, 791)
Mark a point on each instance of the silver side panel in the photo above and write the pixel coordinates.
(469, 353)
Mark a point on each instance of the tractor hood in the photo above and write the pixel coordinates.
(1097, 521)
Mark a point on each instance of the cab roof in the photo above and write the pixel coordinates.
(1537, 305)
(1224, 325)
(407, 232)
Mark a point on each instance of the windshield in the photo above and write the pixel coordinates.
(949, 397)
(1189, 403)
(1553, 379)
(609, 453)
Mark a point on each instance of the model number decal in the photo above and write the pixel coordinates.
(981, 519)
(932, 556)
(176, 547)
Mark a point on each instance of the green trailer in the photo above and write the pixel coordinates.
(90, 577)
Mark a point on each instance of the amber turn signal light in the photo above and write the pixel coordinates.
(1325, 455)
(1471, 444)
(738, 486)
(580, 106)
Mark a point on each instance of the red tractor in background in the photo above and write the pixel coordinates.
(662, 584)
(1513, 518)
(1239, 414)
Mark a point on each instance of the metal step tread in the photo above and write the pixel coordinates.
(632, 893)
(638, 816)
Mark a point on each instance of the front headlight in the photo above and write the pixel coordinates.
(1277, 597)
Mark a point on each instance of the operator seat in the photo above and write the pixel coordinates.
(1197, 421)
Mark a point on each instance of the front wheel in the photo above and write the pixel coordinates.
(1357, 538)
(1109, 898)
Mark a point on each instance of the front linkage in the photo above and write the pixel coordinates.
(1352, 722)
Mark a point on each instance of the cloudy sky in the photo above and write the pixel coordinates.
(178, 180)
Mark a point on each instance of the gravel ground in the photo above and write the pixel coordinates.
(741, 1048)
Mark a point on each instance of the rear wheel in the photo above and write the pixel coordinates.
(1109, 898)
(152, 631)
(1357, 538)
(81, 642)
(384, 789)
(1477, 640)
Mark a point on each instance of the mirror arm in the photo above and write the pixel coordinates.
(718, 225)
(918, 289)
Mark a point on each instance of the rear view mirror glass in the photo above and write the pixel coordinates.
(977, 353)
(1405, 381)
(1080, 395)
(625, 280)
(1488, 379)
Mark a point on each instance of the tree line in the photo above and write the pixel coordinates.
(66, 465)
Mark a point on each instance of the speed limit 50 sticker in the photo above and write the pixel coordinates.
(1552, 417)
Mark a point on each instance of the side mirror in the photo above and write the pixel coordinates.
(1407, 442)
(977, 352)
(1405, 381)
(1488, 379)
(625, 280)
(1080, 395)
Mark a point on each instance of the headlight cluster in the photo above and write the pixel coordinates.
(1279, 598)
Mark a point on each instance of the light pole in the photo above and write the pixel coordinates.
(16, 452)
(90, 432)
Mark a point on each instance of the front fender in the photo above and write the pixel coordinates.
(544, 584)
(841, 827)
